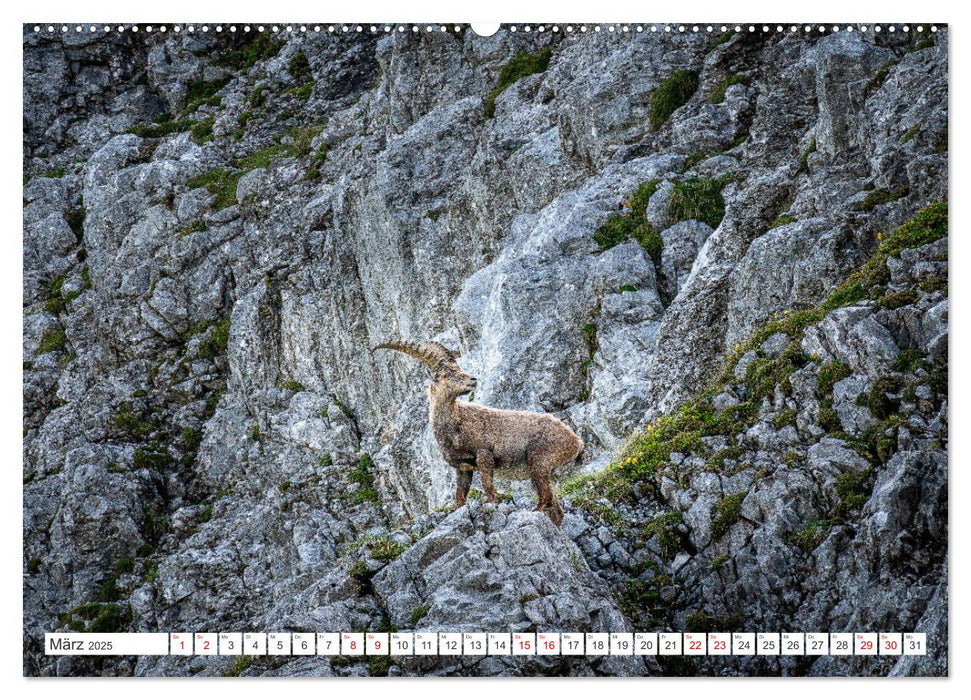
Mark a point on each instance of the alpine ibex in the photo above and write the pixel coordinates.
(512, 444)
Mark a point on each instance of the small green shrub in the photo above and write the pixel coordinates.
(667, 529)
(672, 93)
(218, 341)
(853, 490)
(153, 456)
(361, 475)
(519, 66)
(809, 536)
(292, 385)
(299, 67)
(726, 513)
(386, 549)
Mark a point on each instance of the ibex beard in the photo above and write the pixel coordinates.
(473, 438)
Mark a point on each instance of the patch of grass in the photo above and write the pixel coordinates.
(716, 463)
(133, 425)
(897, 299)
(52, 341)
(325, 460)
(361, 475)
(633, 224)
(262, 158)
(292, 385)
(764, 374)
(881, 196)
(153, 526)
(912, 132)
(782, 220)
(880, 77)
(377, 666)
(75, 219)
(257, 46)
(202, 131)
(672, 93)
(927, 226)
(162, 128)
(909, 361)
(936, 283)
(201, 91)
(299, 67)
(698, 198)
(418, 613)
(878, 401)
(97, 617)
(195, 227)
(718, 93)
(643, 602)
(721, 38)
(386, 549)
(220, 182)
(152, 456)
(829, 374)
(804, 160)
(785, 418)
(238, 667)
(53, 298)
(254, 434)
(853, 490)
(519, 66)
(55, 174)
(667, 529)
(810, 535)
(218, 341)
(726, 513)
(695, 158)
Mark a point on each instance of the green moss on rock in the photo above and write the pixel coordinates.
(672, 93)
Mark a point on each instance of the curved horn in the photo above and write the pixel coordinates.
(432, 354)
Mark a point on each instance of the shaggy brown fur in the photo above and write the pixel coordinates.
(511, 444)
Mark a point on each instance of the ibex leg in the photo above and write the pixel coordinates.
(463, 479)
(486, 464)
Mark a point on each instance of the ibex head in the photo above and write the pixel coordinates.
(446, 372)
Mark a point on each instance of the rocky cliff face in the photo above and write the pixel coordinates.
(740, 240)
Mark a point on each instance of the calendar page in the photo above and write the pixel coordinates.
(548, 349)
